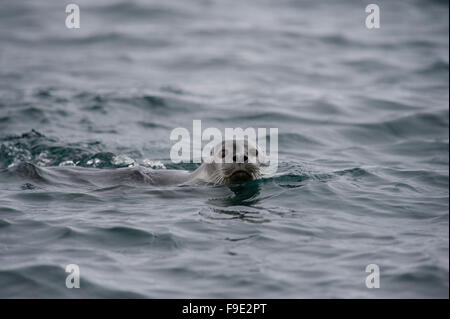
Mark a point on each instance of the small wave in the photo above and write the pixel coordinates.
(152, 125)
(153, 164)
(298, 139)
(438, 67)
(416, 125)
(123, 236)
(48, 281)
(28, 171)
(234, 213)
(4, 223)
(35, 148)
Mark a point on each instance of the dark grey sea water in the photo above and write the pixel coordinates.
(363, 124)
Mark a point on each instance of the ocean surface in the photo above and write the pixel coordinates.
(363, 122)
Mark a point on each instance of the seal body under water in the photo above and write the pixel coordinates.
(230, 162)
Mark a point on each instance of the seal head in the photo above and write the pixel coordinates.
(233, 161)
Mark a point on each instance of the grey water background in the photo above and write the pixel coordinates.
(363, 148)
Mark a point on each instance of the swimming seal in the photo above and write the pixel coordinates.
(230, 162)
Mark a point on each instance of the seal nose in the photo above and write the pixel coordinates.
(245, 159)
